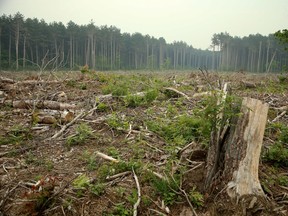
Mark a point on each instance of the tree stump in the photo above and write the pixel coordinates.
(233, 160)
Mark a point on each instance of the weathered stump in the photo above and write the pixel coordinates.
(233, 159)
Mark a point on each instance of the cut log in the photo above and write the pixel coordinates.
(233, 162)
(54, 105)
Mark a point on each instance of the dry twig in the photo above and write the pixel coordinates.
(139, 194)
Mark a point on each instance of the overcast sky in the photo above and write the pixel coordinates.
(191, 21)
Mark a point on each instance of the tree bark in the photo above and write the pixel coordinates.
(233, 161)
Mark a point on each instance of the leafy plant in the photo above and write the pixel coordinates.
(121, 210)
(84, 132)
(196, 198)
(81, 182)
(16, 135)
(166, 188)
(277, 154)
(283, 180)
(117, 122)
(102, 107)
(90, 161)
(97, 189)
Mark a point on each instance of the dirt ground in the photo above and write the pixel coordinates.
(46, 171)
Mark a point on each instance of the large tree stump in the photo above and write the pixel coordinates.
(233, 161)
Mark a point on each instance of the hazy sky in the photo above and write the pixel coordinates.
(191, 21)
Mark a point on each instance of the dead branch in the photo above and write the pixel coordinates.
(6, 80)
(185, 195)
(106, 157)
(109, 178)
(7, 194)
(283, 108)
(178, 92)
(139, 194)
(279, 116)
(66, 126)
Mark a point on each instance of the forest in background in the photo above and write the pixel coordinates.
(27, 44)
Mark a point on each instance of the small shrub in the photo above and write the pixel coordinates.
(277, 154)
(84, 132)
(196, 198)
(151, 95)
(118, 123)
(81, 182)
(16, 135)
(83, 86)
(97, 189)
(283, 181)
(134, 100)
(102, 107)
(71, 83)
(166, 188)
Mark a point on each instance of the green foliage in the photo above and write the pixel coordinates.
(121, 210)
(16, 135)
(166, 188)
(90, 161)
(102, 107)
(117, 122)
(278, 154)
(85, 69)
(196, 198)
(283, 181)
(71, 83)
(83, 86)
(133, 100)
(138, 100)
(81, 182)
(114, 168)
(97, 189)
(113, 152)
(84, 132)
(182, 129)
(116, 89)
(282, 35)
(133, 197)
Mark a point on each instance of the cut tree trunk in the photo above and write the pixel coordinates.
(28, 104)
(233, 159)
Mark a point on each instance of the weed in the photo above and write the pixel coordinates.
(113, 152)
(97, 189)
(283, 181)
(102, 107)
(83, 86)
(277, 154)
(182, 129)
(16, 135)
(84, 132)
(71, 83)
(166, 188)
(121, 210)
(134, 100)
(90, 161)
(133, 197)
(117, 122)
(120, 191)
(81, 182)
(196, 198)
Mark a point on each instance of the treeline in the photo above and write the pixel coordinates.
(31, 43)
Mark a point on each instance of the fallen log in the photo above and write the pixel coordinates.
(232, 163)
(27, 104)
